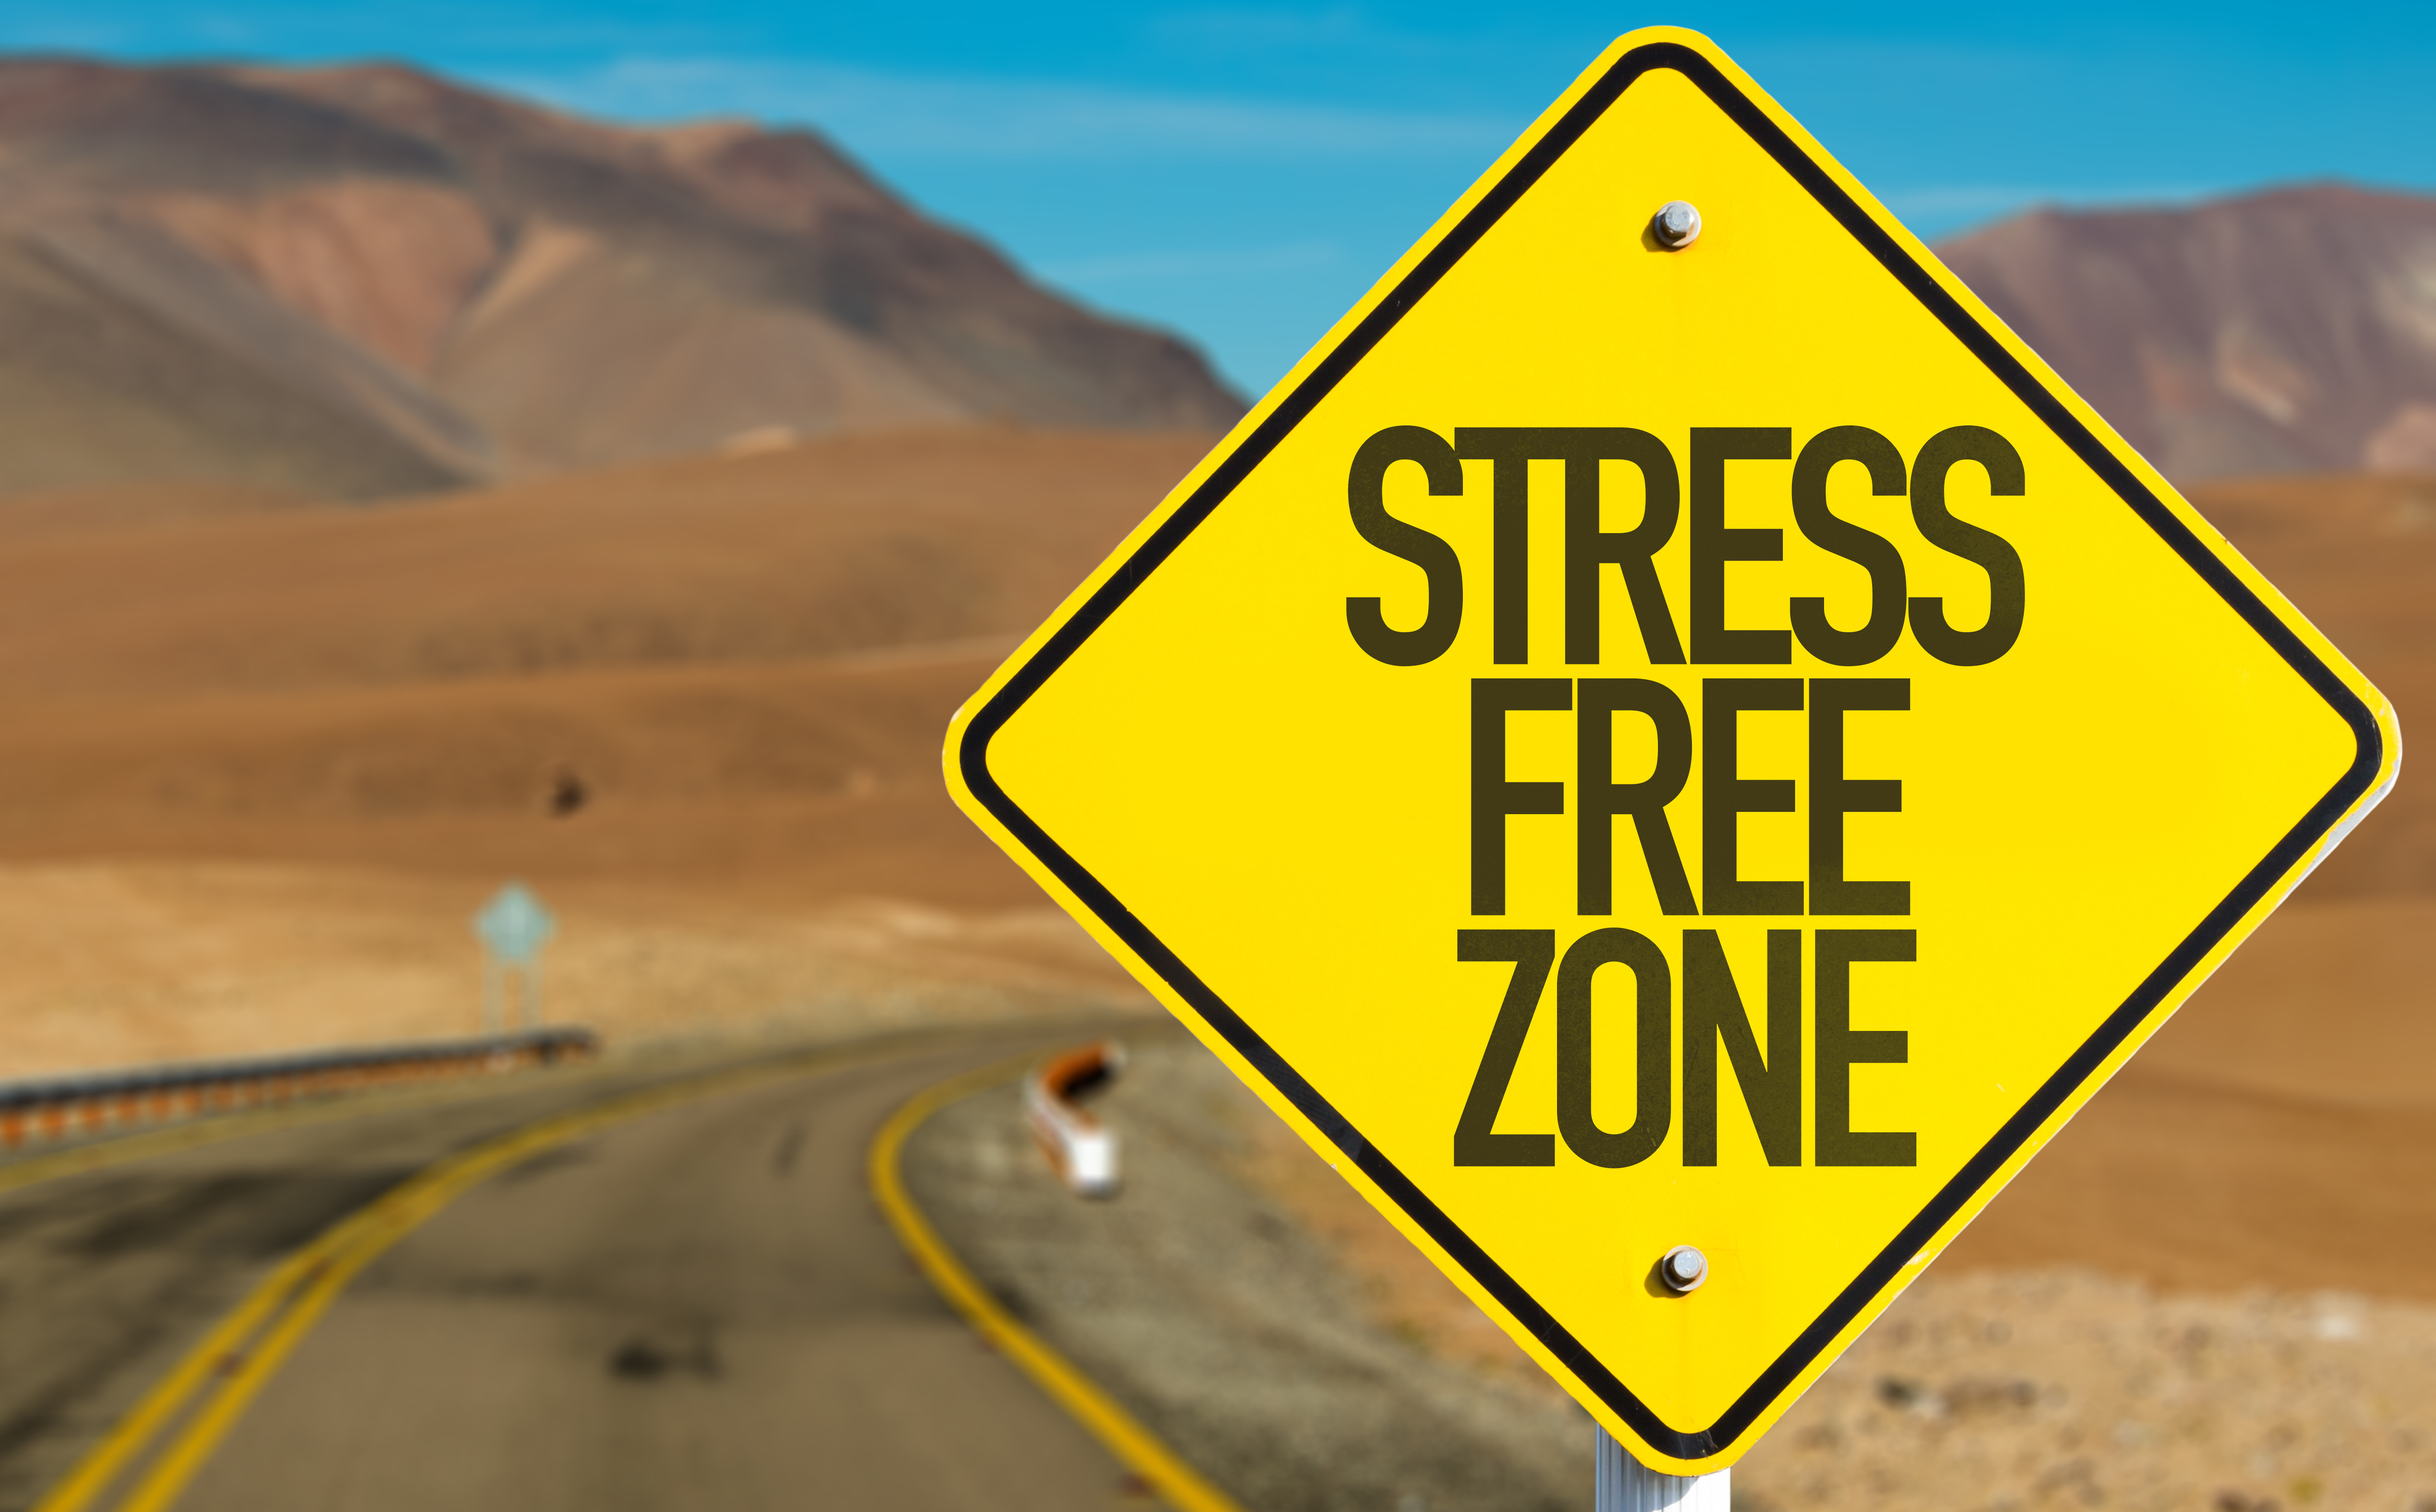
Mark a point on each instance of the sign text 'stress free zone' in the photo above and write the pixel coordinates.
(1766, 1070)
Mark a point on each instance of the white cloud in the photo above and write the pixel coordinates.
(903, 115)
(1937, 209)
(1200, 266)
(1334, 31)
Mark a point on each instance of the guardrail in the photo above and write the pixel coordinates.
(48, 1110)
(1083, 1150)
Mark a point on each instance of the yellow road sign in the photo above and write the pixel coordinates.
(1669, 732)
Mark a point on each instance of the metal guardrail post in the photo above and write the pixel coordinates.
(47, 1110)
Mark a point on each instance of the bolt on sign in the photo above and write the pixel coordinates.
(1674, 750)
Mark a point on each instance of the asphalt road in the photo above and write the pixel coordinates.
(696, 1308)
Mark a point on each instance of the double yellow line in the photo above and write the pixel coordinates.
(1140, 1450)
(155, 1450)
(154, 1453)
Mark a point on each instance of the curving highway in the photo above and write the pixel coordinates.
(688, 1301)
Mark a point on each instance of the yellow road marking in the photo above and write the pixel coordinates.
(1177, 1484)
(173, 1430)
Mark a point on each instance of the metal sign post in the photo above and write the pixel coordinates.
(1675, 752)
(513, 927)
(1623, 1484)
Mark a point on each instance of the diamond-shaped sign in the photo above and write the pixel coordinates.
(1673, 729)
(513, 926)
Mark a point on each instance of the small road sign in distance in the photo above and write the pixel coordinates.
(1674, 749)
(513, 926)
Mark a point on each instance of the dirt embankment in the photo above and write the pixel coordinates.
(1292, 1346)
(260, 762)
(259, 765)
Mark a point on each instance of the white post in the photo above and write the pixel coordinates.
(493, 989)
(1626, 1485)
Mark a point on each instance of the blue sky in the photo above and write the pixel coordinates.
(1239, 173)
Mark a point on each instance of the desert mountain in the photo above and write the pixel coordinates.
(2291, 331)
(367, 280)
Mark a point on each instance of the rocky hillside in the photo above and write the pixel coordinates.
(2292, 331)
(368, 281)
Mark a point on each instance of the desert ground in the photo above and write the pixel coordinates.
(1294, 1348)
(260, 761)
(264, 760)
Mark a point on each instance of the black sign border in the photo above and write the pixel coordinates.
(972, 755)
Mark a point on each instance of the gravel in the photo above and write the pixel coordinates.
(1241, 1301)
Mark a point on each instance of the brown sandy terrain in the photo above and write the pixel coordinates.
(231, 735)
(257, 767)
(113, 962)
(746, 666)
(2066, 1388)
